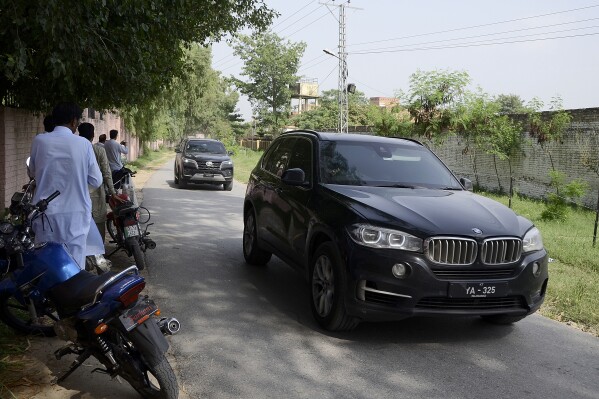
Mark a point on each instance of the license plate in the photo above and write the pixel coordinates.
(477, 290)
(131, 231)
(139, 313)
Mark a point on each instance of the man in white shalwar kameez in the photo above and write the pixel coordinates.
(63, 161)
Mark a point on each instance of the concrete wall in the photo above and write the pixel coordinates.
(531, 167)
(18, 128)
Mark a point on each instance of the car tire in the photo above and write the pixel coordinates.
(182, 183)
(253, 254)
(502, 319)
(176, 177)
(328, 290)
(228, 186)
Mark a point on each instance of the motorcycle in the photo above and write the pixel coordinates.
(102, 316)
(123, 222)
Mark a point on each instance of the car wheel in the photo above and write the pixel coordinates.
(228, 186)
(182, 182)
(253, 254)
(502, 319)
(176, 177)
(328, 286)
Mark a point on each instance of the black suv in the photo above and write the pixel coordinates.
(203, 161)
(383, 230)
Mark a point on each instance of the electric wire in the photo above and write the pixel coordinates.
(489, 41)
(474, 45)
(476, 26)
(486, 35)
(289, 17)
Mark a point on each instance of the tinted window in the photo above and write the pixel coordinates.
(276, 162)
(210, 147)
(301, 157)
(381, 164)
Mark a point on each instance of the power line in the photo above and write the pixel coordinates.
(486, 35)
(306, 5)
(477, 26)
(477, 45)
(305, 16)
(318, 63)
(325, 79)
(474, 42)
(372, 88)
(305, 26)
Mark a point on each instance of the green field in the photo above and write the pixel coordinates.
(573, 290)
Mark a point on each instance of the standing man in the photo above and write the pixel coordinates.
(101, 140)
(113, 152)
(65, 162)
(98, 197)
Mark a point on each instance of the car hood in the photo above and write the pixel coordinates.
(426, 212)
(202, 156)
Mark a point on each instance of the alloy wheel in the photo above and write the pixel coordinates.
(323, 286)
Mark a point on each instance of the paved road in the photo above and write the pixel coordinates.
(248, 332)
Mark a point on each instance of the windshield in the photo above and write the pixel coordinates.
(211, 147)
(382, 164)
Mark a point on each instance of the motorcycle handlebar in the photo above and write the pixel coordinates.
(52, 196)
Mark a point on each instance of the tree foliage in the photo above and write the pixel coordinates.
(110, 53)
(510, 104)
(432, 97)
(270, 66)
(198, 101)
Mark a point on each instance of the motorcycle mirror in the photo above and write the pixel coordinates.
(27, 161)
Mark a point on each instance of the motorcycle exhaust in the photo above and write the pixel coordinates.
(169, 326)
(150, 244)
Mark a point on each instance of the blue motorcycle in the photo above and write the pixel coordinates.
(45, 292)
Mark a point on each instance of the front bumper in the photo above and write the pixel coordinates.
(374, 293)
(216, 176)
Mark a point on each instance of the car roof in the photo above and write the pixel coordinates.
(198, 139)
(330, 136)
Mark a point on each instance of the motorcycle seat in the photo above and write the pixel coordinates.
(76, 292)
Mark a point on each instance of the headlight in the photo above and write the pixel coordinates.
(532, 241)
(378, 237)
(190, 162)
(226, 164)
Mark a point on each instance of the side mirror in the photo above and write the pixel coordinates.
(177, 150)
(294, 177)
(466, 183)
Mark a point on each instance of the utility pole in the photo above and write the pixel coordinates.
(342, 96)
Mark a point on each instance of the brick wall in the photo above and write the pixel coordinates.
(18, 128)
(531, 168)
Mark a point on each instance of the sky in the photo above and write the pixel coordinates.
(388, 40)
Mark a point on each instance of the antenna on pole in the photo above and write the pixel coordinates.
(342, 96)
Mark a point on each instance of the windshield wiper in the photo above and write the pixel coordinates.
(397, 186)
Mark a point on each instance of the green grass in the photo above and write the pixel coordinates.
(151, 156)
(245, 160)
(573, 290)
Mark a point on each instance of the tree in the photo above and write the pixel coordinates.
(326, 115)
(199, 101)
(510, 104)
(432, 97)
(394, 121)
(271, 66)
(107, 54)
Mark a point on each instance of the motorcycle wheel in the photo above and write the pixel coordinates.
(112, 230)
(152, 382)
(17, 316)
(138, 254)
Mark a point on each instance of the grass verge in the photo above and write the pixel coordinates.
(573, 275)
(151, 157)
(12, 348)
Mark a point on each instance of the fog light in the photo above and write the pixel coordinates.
(400, 270)
(536, 269)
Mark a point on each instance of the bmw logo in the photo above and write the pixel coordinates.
(477, 231)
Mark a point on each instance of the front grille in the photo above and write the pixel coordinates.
(499, 251)
(475, 274)
(509, 302)
(451, 250)
(214, 166)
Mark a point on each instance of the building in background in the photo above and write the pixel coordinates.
(384, 102)
(305, 92)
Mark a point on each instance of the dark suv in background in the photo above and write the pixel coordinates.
(203, 161)
(383, 230)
